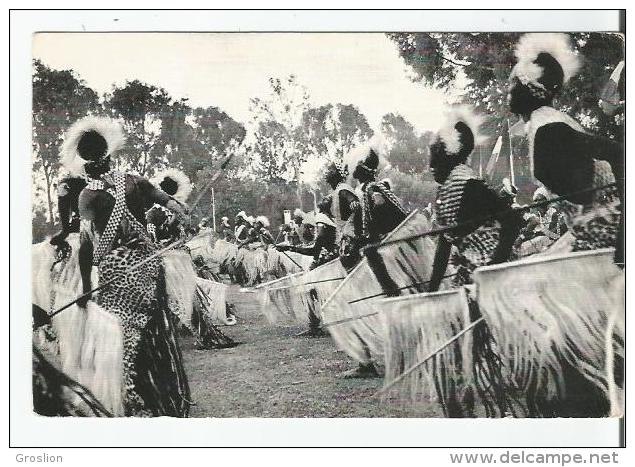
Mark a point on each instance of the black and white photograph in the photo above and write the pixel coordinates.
(327, 225)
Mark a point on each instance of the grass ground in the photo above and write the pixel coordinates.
(272, 373)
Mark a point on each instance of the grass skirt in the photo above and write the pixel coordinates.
(154, 378)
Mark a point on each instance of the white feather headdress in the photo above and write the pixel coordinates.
(263, 220)
(557, 45)
(108, 128)
(298, 213)
(542, 191)
(309, 218)
(450, 135)
(357, 155)
(321, 218)
(183, 184)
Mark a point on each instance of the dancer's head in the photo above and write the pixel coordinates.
(175, 183)
(545, 62)
(455, 141)
(364, 160)
(89, 144)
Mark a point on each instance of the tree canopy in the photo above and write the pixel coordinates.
(480, 63)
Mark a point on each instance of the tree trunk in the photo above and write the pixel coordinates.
(143, 167)
(298, 192)
(47, 178)
(145, 148)
(145, 158)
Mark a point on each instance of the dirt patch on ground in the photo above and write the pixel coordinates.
(273, 373)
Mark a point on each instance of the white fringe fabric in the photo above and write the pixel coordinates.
(407, 263)
(615, 327)
(304, 261)
(222, 253)
(360, 338)
(275, 264)
(281, 299)
(543, 309)
(101, 357)
(280, 264)
(293, 298)
(258, 263)
(90, 340)
(216, 294)
(417, 325)
(317, 286)
(253, 259)
(180, 282)
(203, 245)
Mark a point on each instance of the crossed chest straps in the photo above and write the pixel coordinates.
(119, 212)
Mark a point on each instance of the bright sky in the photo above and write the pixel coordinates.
(225, 70)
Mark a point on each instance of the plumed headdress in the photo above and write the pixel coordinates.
(90, 139)
(250, 219)
(309, 218)
(368, 155)
(545, 62)
(460, 133)
(542, 192)
(298, 213)
(175, 183)
(263, 221)
(321, 218)
(241, 215)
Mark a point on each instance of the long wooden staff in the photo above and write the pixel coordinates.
(429, 356)
(285, 253)
(482, 219)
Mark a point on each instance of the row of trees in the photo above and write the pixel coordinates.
(278, 153)
(161, 132)
(484, 62)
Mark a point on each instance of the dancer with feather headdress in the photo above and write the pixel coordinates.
(378, 213)
(241, 227)
(261, 231)
(486, 236)
(572, 163)
(113, 238)
(226, 229)
(341, 205)
(162, 223)
(165, 227)
(329, 229)
(463, 199)
(197, 301)
(252, 255)
(302, 229)
(564, 156)
(381, 211)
